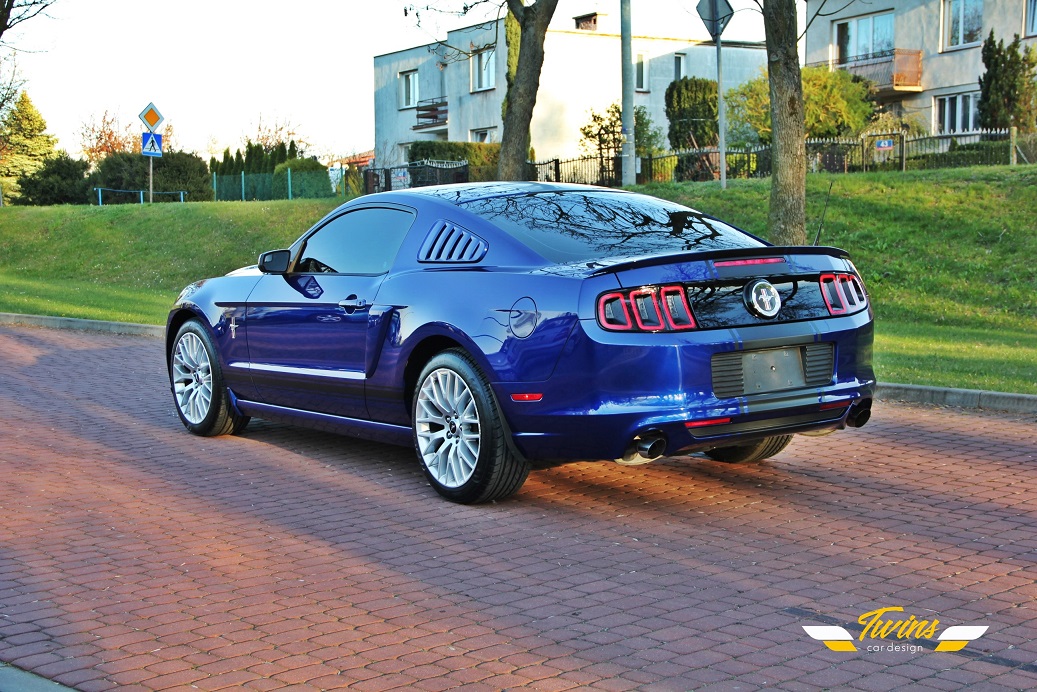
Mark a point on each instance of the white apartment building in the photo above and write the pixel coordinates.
(923, 55)
(432, 92)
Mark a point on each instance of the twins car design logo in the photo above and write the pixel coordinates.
(903, 631)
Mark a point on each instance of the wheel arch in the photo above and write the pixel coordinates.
(178, 319)
(427, 349)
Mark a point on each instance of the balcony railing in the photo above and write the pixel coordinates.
(431, 113)
(890, 71)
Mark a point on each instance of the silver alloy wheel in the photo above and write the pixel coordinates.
(192, 378)
(447, 427)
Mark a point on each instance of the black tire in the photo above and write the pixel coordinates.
(751, 453)
(459, 433)
(199, 394)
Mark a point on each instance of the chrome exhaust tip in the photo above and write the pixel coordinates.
(643, 449)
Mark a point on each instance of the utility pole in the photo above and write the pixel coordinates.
(627, 157)
(715, 15)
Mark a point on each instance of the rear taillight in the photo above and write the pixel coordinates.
(843, 293)
(646, 309)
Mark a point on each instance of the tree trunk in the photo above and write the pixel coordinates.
(787, 217)
(521, 98)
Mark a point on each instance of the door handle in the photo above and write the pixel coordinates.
(352, 304)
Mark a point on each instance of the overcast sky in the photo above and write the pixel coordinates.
(215, 67)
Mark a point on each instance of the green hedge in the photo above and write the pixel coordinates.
(309, 180)
(475, 153)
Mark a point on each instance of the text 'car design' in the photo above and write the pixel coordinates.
(493, 325)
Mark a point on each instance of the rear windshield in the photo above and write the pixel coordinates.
(577, 226)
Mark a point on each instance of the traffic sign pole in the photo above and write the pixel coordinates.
(721, 109)
(715, 15)
(152, 118)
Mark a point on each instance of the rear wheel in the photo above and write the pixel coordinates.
(459, 433)
(747, 454)
(202, 401)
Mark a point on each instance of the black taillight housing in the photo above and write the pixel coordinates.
(646, 309)
(843, 293)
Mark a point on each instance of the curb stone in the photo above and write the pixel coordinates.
(17, 680)
(921, 394)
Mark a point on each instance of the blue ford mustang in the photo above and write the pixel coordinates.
(493, 325)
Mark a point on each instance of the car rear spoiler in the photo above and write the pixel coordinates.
(624, 263)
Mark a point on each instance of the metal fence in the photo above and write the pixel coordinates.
(266, 186)
(881, 151)
(418, 174)
(892, 151)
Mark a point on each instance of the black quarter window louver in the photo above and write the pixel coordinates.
(448, 243)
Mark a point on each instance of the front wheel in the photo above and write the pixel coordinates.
(459, 433)
(747, 454)
(200, 396)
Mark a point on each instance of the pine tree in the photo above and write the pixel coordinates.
(691, 108)
(26, 144)
(1008, 89)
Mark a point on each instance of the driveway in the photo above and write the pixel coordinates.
(135, 555)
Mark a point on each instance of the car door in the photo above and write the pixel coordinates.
(308, 329)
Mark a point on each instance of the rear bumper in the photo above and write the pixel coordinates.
(607, 391)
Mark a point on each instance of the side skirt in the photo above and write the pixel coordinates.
(353, 427)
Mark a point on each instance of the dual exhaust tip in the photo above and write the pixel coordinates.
(649, 446)
(643, 449)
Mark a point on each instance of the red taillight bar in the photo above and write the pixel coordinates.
(843, 293)
(654, 309)
(605, 309)
(749, 262)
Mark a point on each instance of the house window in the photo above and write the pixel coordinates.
(641, 72)
(484, 70)
(678, 64)
(409, 89)
(957, 113)
(1031, 17)
(962, 22)
(484, 136)
(864, 36)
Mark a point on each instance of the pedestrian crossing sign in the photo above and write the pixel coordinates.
(151, 144)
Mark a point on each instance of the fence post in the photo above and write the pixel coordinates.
(243, 186)
(99, 202)
(289, 184)
(903, 151)
(181, 197)
(142, 196)
(1013, 139)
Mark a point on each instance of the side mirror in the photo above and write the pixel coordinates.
(275, 261)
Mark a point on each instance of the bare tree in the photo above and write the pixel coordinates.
(533, 19)
(10, 83)
(787, 215)
(14, 12)
(522, 92)
(268, 135)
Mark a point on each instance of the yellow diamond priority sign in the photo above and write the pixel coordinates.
(151, 117)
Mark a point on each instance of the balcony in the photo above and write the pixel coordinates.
(431, 114)
(891, 71)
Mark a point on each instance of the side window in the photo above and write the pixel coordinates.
(364, 241)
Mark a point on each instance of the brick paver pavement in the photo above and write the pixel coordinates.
(135, 555)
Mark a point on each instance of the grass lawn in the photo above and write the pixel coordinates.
(949, 257)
